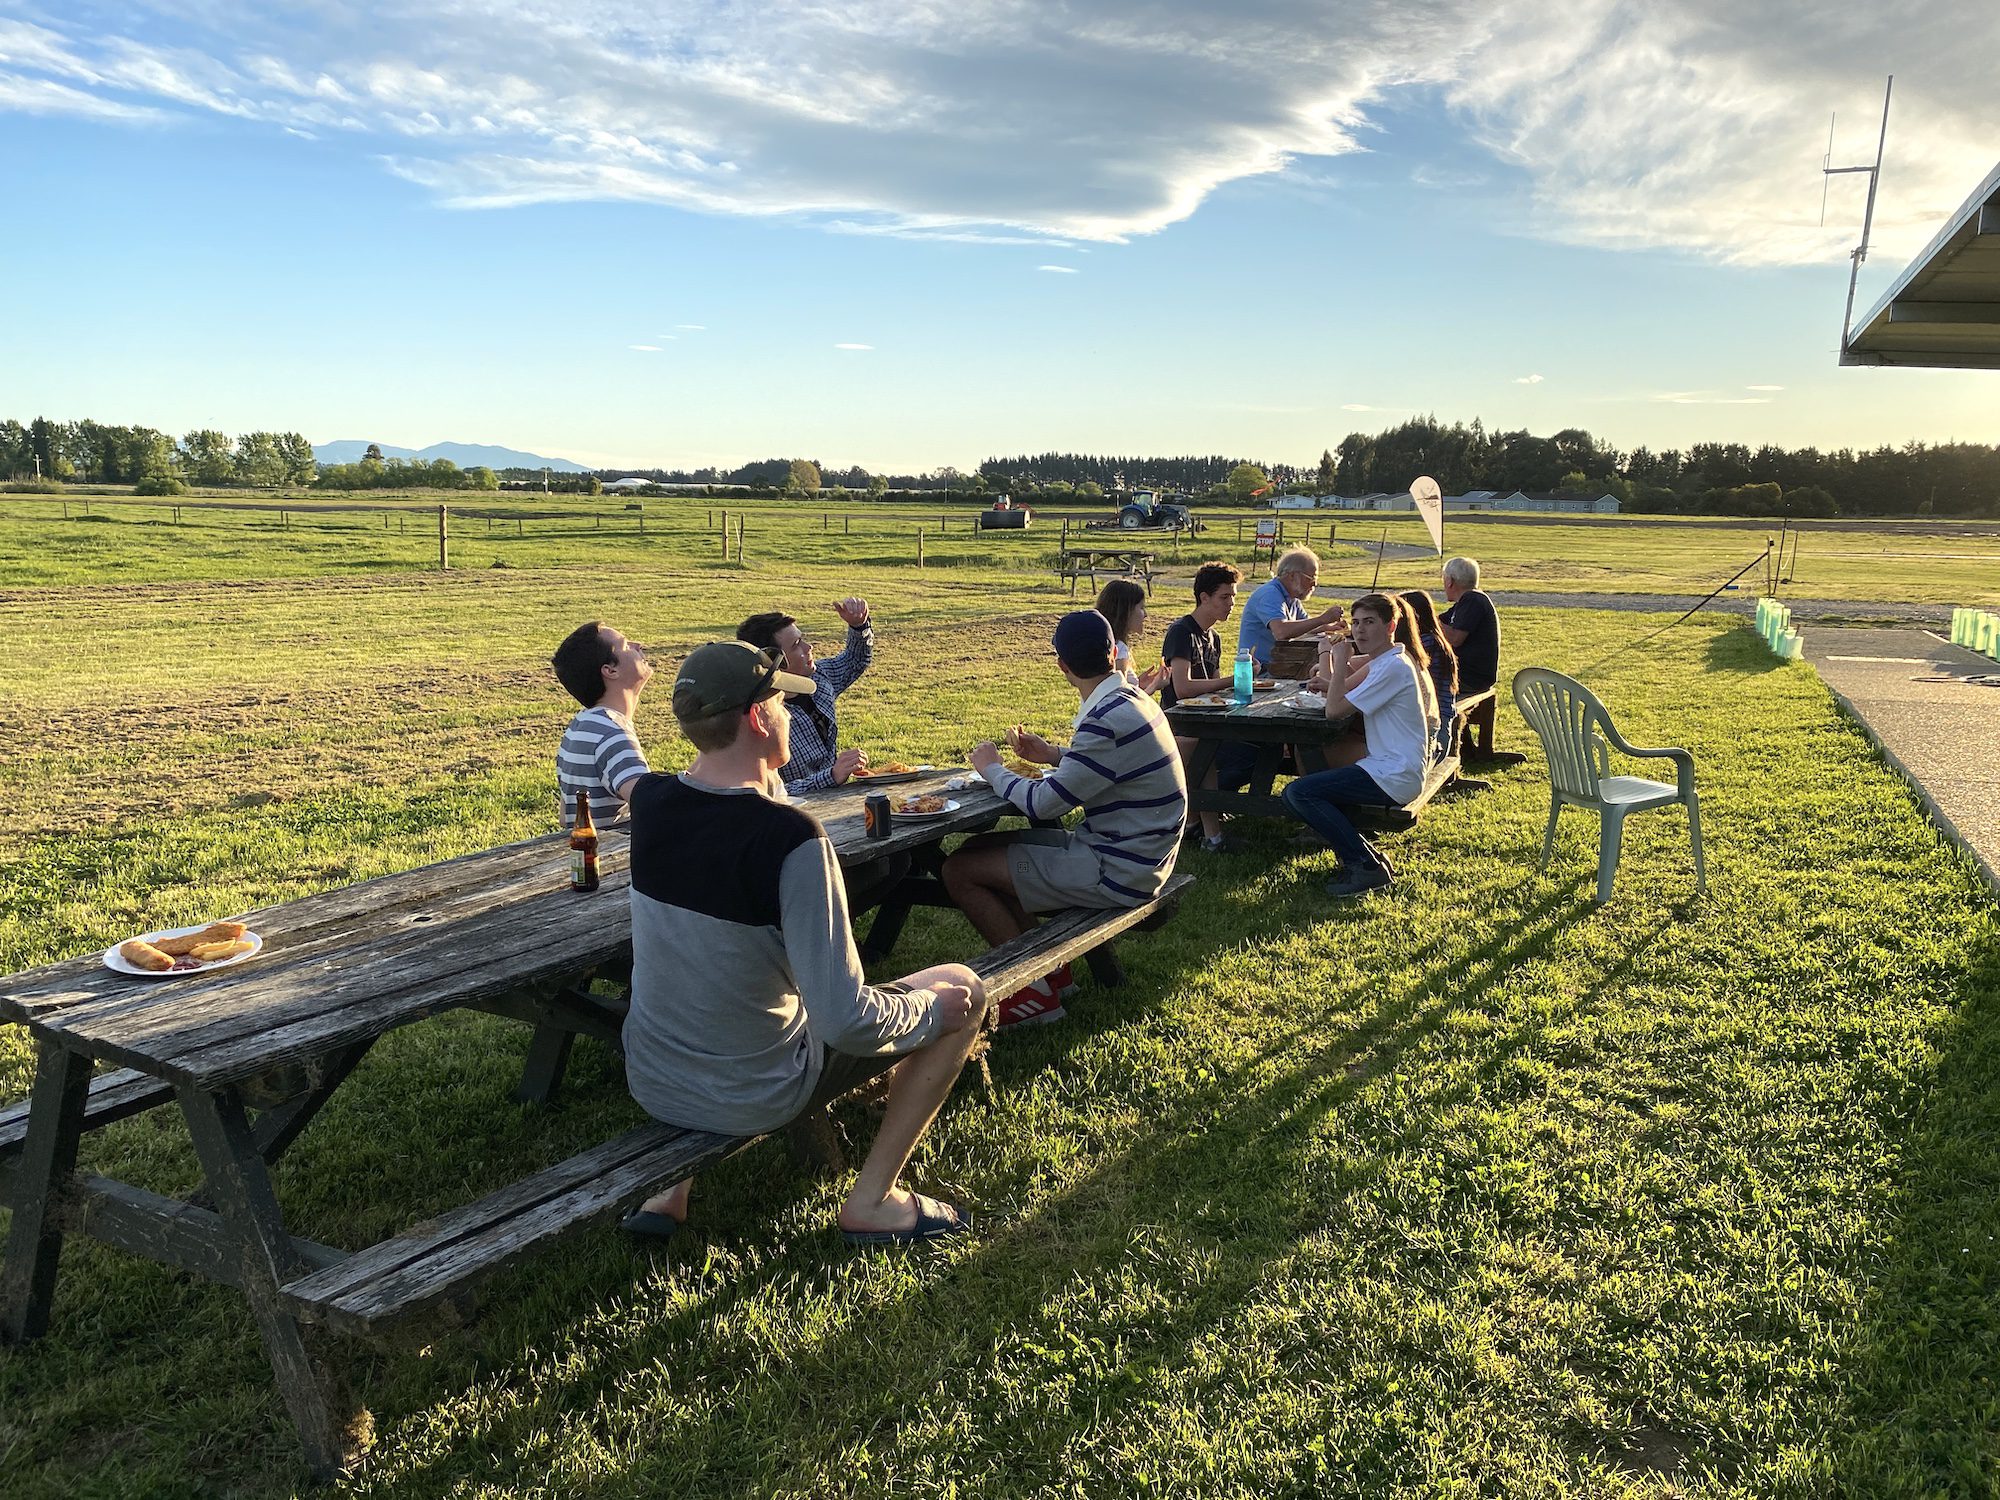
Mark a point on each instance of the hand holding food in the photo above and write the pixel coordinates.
(1031, 746)
(847, 763)
(985, 754)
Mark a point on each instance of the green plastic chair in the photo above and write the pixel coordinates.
(1578, 736)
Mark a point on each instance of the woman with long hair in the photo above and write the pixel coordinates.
(1443, 660)
(1123, 603)
(1382, 673)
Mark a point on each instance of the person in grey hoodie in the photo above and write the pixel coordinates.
(749, 1007)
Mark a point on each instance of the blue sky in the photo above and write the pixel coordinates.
(914, 235)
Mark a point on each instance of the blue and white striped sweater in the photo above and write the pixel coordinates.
(1123, 770)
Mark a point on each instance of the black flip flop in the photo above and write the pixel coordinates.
(936, 1219)
(650, 1226)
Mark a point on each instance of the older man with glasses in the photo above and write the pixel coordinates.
(1277, 612)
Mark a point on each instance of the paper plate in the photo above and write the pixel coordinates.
(119, 964)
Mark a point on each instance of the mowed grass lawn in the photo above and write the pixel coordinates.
(1475, 1189)
(121, 540)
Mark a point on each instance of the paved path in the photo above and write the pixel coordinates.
(1940, 734)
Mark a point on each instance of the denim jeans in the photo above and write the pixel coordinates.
(1317, 801)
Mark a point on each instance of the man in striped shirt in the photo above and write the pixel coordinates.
(599, 753)
(1121, 768)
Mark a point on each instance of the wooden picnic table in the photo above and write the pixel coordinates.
(498, 930)
(1267, 724)
(1127, 561)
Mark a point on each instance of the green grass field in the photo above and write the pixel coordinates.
(1479, 1190)
(123, 540)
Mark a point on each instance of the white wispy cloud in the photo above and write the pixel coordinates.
(854, 346)
(1059, 270)
(1528, 380)
(670, 338)
(691, 327)
(1694, 125)
(644, 348)
(1763, 388)
(1708, 398)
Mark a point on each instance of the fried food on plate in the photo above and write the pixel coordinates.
(214, 932)
(926, 804)
(210, 953)
(143, 955)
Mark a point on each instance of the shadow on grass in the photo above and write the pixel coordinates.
(1924, 1363)
(1213, 1175)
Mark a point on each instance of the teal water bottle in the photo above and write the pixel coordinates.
(1246, 678)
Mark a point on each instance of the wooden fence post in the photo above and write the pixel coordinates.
(177, 515)
(920, 546)
(725, 536)
(285, 519)
(444, 533)
(843, 524)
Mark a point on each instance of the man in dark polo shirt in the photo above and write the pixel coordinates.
(749, 1007)
(1473, 627)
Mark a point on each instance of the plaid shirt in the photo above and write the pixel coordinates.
(815, 725)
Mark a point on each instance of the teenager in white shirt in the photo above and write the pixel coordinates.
(1382, 673)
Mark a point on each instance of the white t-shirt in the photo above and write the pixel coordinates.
(1391, 702)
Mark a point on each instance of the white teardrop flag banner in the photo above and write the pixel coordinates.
(1430, 504)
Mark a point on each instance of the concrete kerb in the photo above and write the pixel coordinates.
(1938, 816)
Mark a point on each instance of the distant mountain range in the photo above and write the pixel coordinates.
(465, 455)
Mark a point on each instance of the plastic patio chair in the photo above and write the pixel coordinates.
(1577, 736)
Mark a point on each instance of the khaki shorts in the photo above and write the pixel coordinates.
(1052, 870)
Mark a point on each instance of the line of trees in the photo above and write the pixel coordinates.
(374, 472)
(104, 453)
(1712, 478)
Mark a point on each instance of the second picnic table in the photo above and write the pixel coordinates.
(1267, 724)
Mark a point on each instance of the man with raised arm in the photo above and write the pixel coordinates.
(748, 1004)
(817, 760)
(1121, 768)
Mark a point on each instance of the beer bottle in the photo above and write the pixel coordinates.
(583, 848)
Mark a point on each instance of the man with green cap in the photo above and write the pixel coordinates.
(749, 1007)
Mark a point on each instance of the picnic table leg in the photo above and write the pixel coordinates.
(1201, 760)
(1269, 758)
(548, 1059)
(34, 1244)
(814, 1141)
(227, 1149)
(277, 1128)
(1104, 966)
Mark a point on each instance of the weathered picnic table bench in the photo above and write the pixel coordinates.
(339, 971)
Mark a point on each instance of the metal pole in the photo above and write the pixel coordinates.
(1868, 214)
